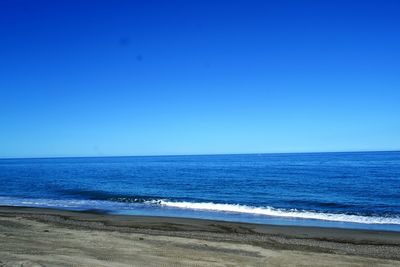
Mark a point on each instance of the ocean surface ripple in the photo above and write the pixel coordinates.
(356, 188)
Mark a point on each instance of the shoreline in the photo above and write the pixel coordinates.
(28, 232)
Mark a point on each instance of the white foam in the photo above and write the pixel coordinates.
(204, 206)
(60, 203)
(270, 211)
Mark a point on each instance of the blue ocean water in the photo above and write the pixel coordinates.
(354, 190)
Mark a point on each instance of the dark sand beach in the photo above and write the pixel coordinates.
(48, 237)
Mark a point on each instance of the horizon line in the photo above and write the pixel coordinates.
(205, 154)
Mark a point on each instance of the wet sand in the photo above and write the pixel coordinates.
(47, 237)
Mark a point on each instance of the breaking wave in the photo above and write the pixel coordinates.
(132, 203)
(270, 211)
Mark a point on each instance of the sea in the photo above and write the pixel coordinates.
(358, 190)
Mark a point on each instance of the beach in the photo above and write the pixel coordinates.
(50, 237)
(200, 133)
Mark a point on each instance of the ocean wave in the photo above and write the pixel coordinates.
(75, 204)
(107, 196)
(131, 203)
(270, 211)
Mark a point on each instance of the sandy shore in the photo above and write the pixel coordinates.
(46, 237)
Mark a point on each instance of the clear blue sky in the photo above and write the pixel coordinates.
(90, 78)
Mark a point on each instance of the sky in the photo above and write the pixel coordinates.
(118, 78)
